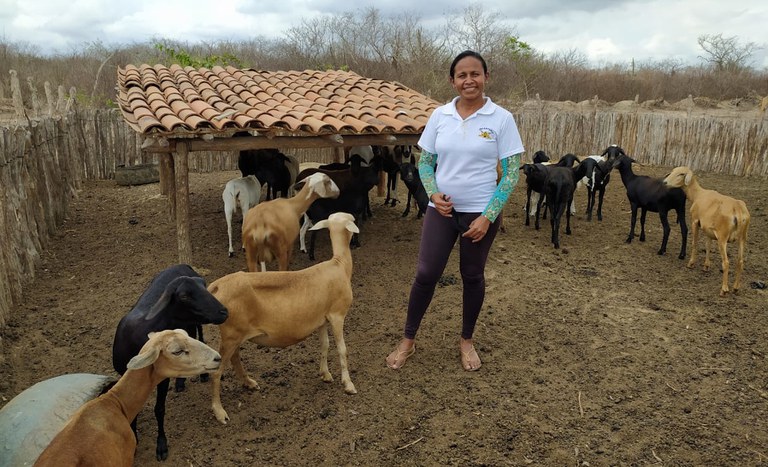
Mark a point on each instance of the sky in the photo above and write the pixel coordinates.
(604, 31)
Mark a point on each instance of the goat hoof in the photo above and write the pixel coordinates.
(162, 449)
(661, 252)
(681, 256)
(221, 416)
(250, 383)
(204, 378)
(231, 254)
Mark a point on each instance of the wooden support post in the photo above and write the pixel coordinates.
(182, 202)
(167, 185)
(338, 154)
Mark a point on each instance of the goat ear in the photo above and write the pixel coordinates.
(323, 224)
(352, 227)
(159, 305)
(144, 359)
(688, 177)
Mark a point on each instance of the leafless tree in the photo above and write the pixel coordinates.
(726, 53)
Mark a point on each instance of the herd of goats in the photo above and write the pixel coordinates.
(161, 337)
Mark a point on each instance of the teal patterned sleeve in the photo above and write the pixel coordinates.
(505, 187)
(427, 164)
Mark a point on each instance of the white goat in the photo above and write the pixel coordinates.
(270, 229)
(282, 308)
(246, 191)
(100, 433)
(720, 217)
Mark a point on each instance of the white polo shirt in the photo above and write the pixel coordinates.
(468, 150)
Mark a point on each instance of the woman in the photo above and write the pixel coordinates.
(466, 138)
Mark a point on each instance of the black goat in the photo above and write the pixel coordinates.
(176, 298)
(354, 186)
(650, 194)
(559, 185)
(535, 174)
(410, 176)
(596, 174)
(534, 178)
(392, 159)
(540, 157)
(270, 166)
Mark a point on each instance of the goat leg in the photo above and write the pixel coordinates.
(337, 327)
(643, 212)
(161, 451)
(600, 205)
(683, 232)
(632, 224)
(722, 244)
(407, 205)
(324, 344)
(666, 229)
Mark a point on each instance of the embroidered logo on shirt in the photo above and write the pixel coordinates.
(487, 133)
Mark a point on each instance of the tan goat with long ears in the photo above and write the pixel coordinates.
(270, 229)
(282, 308)
(720, 217)
(99, 433)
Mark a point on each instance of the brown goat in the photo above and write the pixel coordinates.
(720, 217)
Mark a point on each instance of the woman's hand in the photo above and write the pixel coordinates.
(443, 204)
(477, 229)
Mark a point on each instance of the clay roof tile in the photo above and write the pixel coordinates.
(159, 98)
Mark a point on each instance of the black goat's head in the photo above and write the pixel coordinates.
(189, 302)
(612, 152)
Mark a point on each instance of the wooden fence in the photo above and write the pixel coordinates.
(43, 162)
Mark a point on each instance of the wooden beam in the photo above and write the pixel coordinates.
(258, 142)
(183, 238)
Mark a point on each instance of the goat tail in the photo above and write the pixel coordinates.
(260, 237)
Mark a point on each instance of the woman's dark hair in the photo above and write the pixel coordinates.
(465, 54)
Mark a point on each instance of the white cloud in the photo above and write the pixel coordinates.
(603, 31)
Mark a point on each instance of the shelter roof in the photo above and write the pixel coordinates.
(175, 100)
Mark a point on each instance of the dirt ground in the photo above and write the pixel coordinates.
(600, 353)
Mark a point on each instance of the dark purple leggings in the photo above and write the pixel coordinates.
(438, 236)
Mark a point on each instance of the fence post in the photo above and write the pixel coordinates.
(18, 103)
(49, 98)
(33, 95)
(62, 100)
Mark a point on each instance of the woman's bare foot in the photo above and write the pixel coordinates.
(398, 357)
(470, 361)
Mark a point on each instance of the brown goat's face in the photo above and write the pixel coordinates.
(176, 355)
(679, 177)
